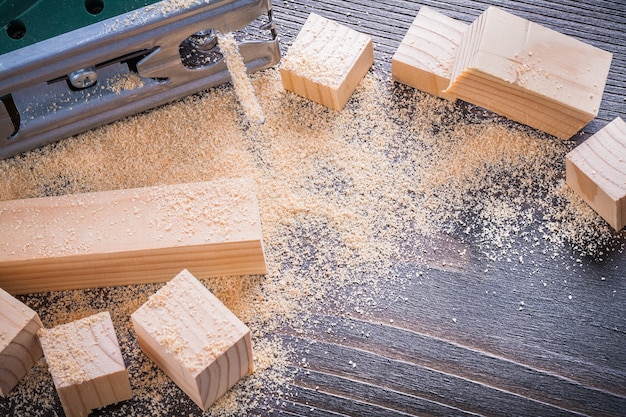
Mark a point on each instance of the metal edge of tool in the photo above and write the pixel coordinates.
(50, 111)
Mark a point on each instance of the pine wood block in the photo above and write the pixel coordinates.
(326, 62)
(86, 364)
(19, 346)
(596, 170)
(197, 341)
(130, 236)
(530, 73)
(425, 57)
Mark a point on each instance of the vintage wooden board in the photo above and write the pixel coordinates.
(457, 340)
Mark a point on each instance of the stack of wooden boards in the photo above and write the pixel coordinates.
(127, 237)
(530, 74)
(519, 69)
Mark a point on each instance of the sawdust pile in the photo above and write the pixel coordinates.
(123, 82)
(241, 83)
(340, 195)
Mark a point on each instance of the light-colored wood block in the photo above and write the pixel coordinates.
(19, 346)
(530, 73)
(425, 57)
(596, 170)
(326, 62)
(86, 364)
(130, 236)
(203, 347)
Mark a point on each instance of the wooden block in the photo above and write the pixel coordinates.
(86, 364)
(203, 347)
(529, 73)
(19, 346)
(596, 170)
(130, 236)
(326, 62)
(425, 57)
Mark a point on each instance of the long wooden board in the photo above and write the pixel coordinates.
(130, 236)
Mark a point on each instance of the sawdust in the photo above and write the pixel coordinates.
(340, 194)
(123, 82)
(239, 77)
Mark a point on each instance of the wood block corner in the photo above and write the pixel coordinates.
(86, 364)
(326, 62)
(196, 340)
(596, 170)
(425, 57)
(19, 346)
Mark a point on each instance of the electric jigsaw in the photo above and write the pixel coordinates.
(62, 61)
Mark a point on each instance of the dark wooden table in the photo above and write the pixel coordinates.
(543, 337)
(491, 339)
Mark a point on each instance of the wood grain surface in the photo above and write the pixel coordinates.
(539, 335)
(494, 339)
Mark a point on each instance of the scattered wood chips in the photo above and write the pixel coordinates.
(340, 195)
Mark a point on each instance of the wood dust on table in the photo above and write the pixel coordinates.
(339, 194)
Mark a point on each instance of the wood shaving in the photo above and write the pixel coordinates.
(241, 83)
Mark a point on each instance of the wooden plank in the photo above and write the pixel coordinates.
(19, 346)
(351, 339)
(326, 62)
(130, 236)
(530, 73)
(596, 170)
(86, 364)
(426, 55)
(203, 347)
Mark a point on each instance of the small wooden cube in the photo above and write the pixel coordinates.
(203, 347)
(425, 57)
(530, 73)
(86, 364)
(596, 170)
(19, 347)
(326, 62)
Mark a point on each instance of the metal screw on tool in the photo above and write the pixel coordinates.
(204, 40)
(84, 77)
